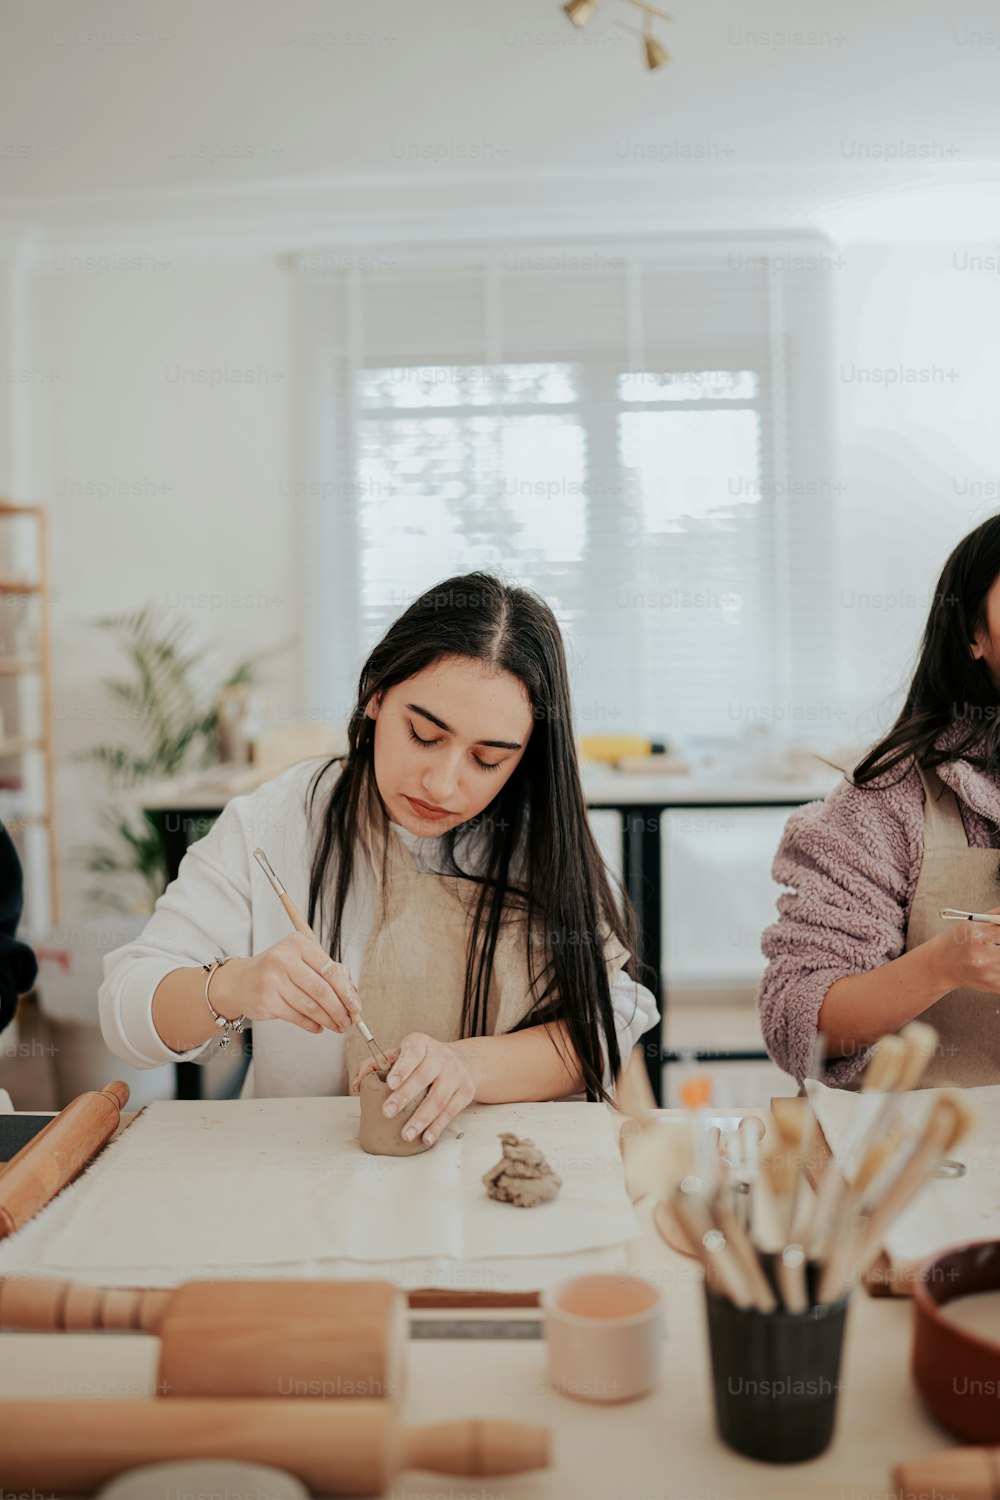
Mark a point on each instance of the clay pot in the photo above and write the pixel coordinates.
(381, 1136)
(957, 1371)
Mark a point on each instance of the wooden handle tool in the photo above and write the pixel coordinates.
(57, 1154)
(333, 1447)
(723, 1270)
(300, 924)
(881, 1077)
(958, 1473)
(240, 1338)
(949, 1120)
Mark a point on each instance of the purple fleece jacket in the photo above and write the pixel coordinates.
(851, 864)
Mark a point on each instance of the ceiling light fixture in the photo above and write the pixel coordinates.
(582, 11)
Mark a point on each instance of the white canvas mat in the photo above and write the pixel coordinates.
(196, 1188)
(948, 1210)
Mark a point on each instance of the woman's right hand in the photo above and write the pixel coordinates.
(968, 955)
(294, 980)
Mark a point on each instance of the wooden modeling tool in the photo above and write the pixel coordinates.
(57, 1154)
(948, 1122)
(839, 1234)
(880, 1079)
(723, 1271)
(300, 924)
(333, 1447)
(238, 1338)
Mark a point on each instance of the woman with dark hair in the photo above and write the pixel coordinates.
(447, 867)
(860, 946)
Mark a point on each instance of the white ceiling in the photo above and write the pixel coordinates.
(120, 110)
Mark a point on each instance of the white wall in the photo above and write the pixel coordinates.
(214, 517)
(920, 462)
(166, 479)
(919, 466)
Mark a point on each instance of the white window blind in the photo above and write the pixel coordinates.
(642, 439)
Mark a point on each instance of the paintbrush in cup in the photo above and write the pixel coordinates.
(300, 924)
(949, 1120)
(691, 1208)
(879, 1141)
(881, 1076)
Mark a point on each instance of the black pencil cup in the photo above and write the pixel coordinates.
(776, 1377)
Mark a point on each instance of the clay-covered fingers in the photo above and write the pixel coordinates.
(371, 1066)
(437, 1111)
(427, 1064)
(412, 1072)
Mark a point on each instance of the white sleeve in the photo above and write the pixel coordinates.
(635, 1013)
(203, 914)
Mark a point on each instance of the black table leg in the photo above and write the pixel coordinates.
(641, 867)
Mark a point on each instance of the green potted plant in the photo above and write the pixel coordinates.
(179, 731)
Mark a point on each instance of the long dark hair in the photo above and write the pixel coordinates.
(952, 708)
(539, 814)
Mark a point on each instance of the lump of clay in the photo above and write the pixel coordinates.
(522, 1176)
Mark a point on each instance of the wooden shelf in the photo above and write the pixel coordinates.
(16, 664)
(26, 820)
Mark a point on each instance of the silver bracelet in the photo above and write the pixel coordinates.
(227, 1027)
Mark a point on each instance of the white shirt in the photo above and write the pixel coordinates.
(222, 905)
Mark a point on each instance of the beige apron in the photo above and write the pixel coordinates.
(413, 973)
(953, 874)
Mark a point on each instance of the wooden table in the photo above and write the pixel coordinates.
(662, 1447)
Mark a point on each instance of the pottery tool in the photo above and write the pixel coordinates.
(948, 1121)
(746, 1253)
(333, 1447)
(876, 1142)
(958, 1473)
(808, 1128)
(749, 1134)
(790, 1265)
(691, 1207)
(300, 924)
(880, 1078)
(56, 1155)
(952, 914)
(238, 1338)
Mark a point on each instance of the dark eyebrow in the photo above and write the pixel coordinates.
(492, 744)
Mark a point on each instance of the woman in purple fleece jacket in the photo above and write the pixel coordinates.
(860, 947)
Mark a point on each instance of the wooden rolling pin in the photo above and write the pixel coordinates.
(239, 1338)
(333, 1447)
(59, 1151)
(958, 1473)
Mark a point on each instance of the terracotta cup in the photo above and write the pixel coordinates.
(605, 1336)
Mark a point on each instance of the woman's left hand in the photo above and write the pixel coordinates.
(421, 1062)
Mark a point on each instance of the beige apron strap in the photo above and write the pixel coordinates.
(943, 826)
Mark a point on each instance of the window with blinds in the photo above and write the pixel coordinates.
(623, 440)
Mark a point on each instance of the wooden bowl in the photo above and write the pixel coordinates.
(957, 1371)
